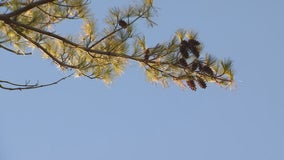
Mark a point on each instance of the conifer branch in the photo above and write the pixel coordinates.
(104, 57)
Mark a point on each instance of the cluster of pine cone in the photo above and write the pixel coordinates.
(192, 47)
(189, 46)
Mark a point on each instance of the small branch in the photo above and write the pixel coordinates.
(105, 37)
(28, 86)
(161, 71)
(43, 32)
(58, 17)
(44, 50)
(28, 7)
(117, 30)
(66, 6)
(13, 51)
(216, 78)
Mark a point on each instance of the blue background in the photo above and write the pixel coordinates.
(133, 119)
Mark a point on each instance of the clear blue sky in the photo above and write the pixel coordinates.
(135, 120)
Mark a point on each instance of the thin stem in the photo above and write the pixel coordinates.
(27, 86)
(13, 51)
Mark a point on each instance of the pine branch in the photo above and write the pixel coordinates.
(178, 60)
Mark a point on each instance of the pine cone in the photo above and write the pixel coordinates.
(147, 55)
(191, 84)
(194, 51)
(122, 24)
(183, 43)
(183, 62)
(194, 66)
(201, 83)
(185, 54)
(193, 42)
(183, 49)
(207, 70)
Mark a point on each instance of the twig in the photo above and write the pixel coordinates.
(28, 86)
